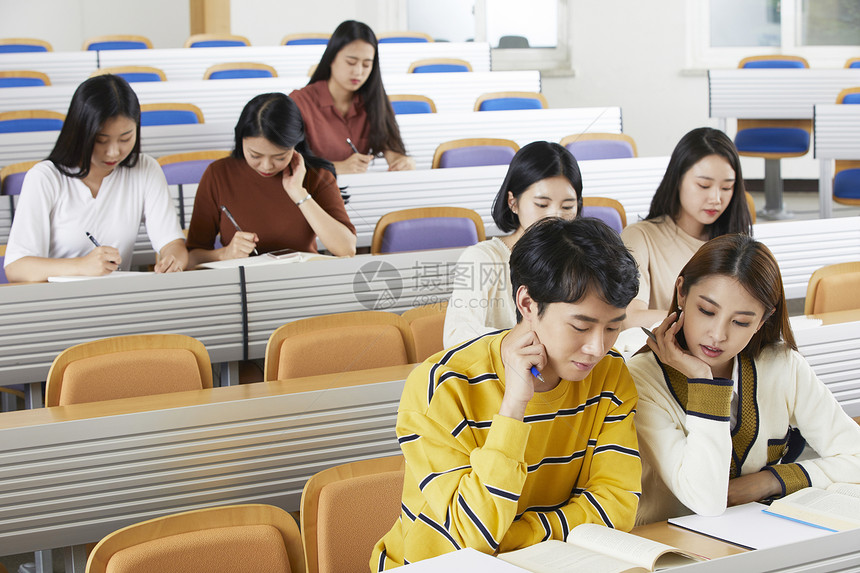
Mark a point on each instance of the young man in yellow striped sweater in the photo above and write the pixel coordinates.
(520, 435)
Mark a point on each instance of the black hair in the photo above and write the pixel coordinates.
(96, 101)
(561, 261)
(535, 162)
(384, 133)
(693, 147)
(277, 118)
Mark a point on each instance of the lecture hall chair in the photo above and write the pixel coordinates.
(427, 323)
(239, 70)
(439, 66)
(496, 101)
(248, 538)
(216, 41)
(474, 151)
(117, 42)
(346, 509)
(592, 146)
(403, 38)
(11, 180)
(170, 114)
(406, 104)
(846, 179)
(133, 74)
(336, 343)
(30, 120)
(23, 79)
(833, 288)
(18, 45)
(126, 367)
(187, 169)
(308, 39)
(608, 210)
(426, 228)
(773, 139)
(852, 63)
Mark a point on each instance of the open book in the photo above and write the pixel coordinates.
(836, 508)
(273, 258)
(598, 549)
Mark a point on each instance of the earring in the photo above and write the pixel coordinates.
(680, 310)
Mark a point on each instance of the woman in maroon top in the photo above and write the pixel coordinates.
(279, 193)
(345, 100)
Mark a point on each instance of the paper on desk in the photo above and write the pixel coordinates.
(113, 275)
(748, 526)
(463, 561)
(263, 259)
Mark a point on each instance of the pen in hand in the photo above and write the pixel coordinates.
(235, 224)
(93, 239)
(536, 373)
(352, 146)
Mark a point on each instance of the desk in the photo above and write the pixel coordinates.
(61, 67)
(836, 135)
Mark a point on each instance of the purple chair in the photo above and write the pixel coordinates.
(590, 146)
(187, 169)
(11, 180)
(610, 211)
(474, 151)
(426, 228)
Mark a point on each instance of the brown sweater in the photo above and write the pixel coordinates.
(259, 205)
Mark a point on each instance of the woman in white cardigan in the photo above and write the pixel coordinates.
(725, 399)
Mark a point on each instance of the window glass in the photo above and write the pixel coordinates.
(444, 20)
(830, 23)
(742, 23)
(514, 24)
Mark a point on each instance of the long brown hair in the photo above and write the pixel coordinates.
(751, 264)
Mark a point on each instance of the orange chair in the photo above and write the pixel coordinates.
(348, 508)
(833, 288)
(427, 324)
(335, 343)
(237, 538)
(128, 366)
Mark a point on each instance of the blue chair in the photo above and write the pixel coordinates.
(309, 39)
(403, 38)
(439, 66)
(133, 74)
(23, 79)
(497, 101)
(773, 139)
(471, 152)
(19, 45)
(30, 120)
(405, 104)
(239, 70)
(846, 181)
(589, 146)
(610, 211)
(118, 42)
(852, 63)
(170, 114)
(187, 169)
(216, 41)
(426, 228)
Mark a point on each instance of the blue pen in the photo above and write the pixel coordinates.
(536, 373)
(93, 239)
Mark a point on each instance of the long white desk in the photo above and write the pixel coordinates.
(223, 100)
(61, 67)
(836, 136)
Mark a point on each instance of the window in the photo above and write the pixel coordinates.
(722, 32)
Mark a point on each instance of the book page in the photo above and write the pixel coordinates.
(852, 489)
(820, 507)
(555, 556)
(638, 550)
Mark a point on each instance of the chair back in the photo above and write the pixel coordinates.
(117, 42)
(439, 66)
(513, 42)
(832, 288)
(472, 152)
(608, 210)
(496, 101)
(591, 146)
(309, 39)
(216, 41)
(404, 104)
(336, 343)
(426, 228)
(133, 74)
(3, 279)
(427, 323)
(773, 61)
(30, 120)
(12, 177)
(188, 168)
(852, 63)
(846, 181)
(403, 38)
(128, 366)
(236, 538)
(23, 79)
(239, 70)
(849, 96)
(170, 114)
(346, 509)
(20, 45)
